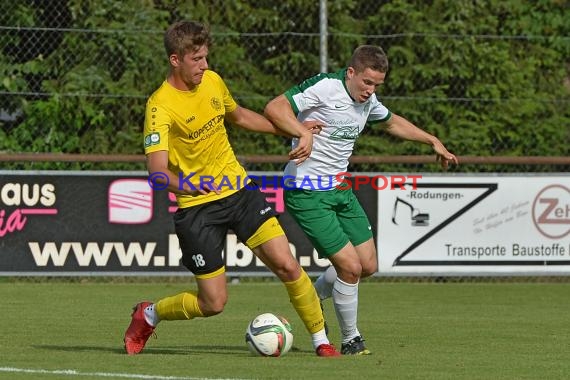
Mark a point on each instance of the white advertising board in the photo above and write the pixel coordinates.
(475, 225)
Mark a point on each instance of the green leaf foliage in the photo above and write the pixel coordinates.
(488, 77)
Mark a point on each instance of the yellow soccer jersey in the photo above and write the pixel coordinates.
(190, 126)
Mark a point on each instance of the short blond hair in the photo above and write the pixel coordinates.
(185, 37)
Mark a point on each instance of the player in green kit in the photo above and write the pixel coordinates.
(343, 103)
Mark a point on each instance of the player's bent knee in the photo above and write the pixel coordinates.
(212, 308)
(369, 270)
(287, 270)
(350, 273)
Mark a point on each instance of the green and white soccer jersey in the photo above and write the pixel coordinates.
(325, 98)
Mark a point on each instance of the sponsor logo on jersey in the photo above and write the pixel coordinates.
(345, 133)
(207, 129)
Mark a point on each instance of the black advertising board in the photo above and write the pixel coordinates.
(113, 223)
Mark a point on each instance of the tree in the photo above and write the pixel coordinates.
(488, 77)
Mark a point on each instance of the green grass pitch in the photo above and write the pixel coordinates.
(416, 330)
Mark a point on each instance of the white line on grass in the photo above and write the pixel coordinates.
(72, 372)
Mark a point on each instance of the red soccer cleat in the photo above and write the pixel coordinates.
(139, 330)
(327, 350)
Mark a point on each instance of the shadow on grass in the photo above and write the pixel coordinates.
(168, 350)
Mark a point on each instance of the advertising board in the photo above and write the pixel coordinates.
(114, 223)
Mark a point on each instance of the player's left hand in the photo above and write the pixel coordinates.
(303, 149)
(444, 156)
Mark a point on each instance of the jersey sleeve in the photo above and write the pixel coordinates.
(378, 113)
(229, 102)
(305, 96)
(156, 128)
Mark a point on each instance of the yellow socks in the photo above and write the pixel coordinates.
(305, 301)
(180, 306)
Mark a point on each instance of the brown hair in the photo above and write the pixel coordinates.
(369, 57)
(186, 36)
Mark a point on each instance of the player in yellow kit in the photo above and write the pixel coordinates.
(188, 153)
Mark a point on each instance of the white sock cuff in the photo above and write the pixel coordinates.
(345, 288)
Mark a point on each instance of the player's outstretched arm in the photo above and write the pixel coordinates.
(404, 129)
(252, 121)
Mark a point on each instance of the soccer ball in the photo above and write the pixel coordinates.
(269, 335)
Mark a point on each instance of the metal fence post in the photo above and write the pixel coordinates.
(323, 22)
